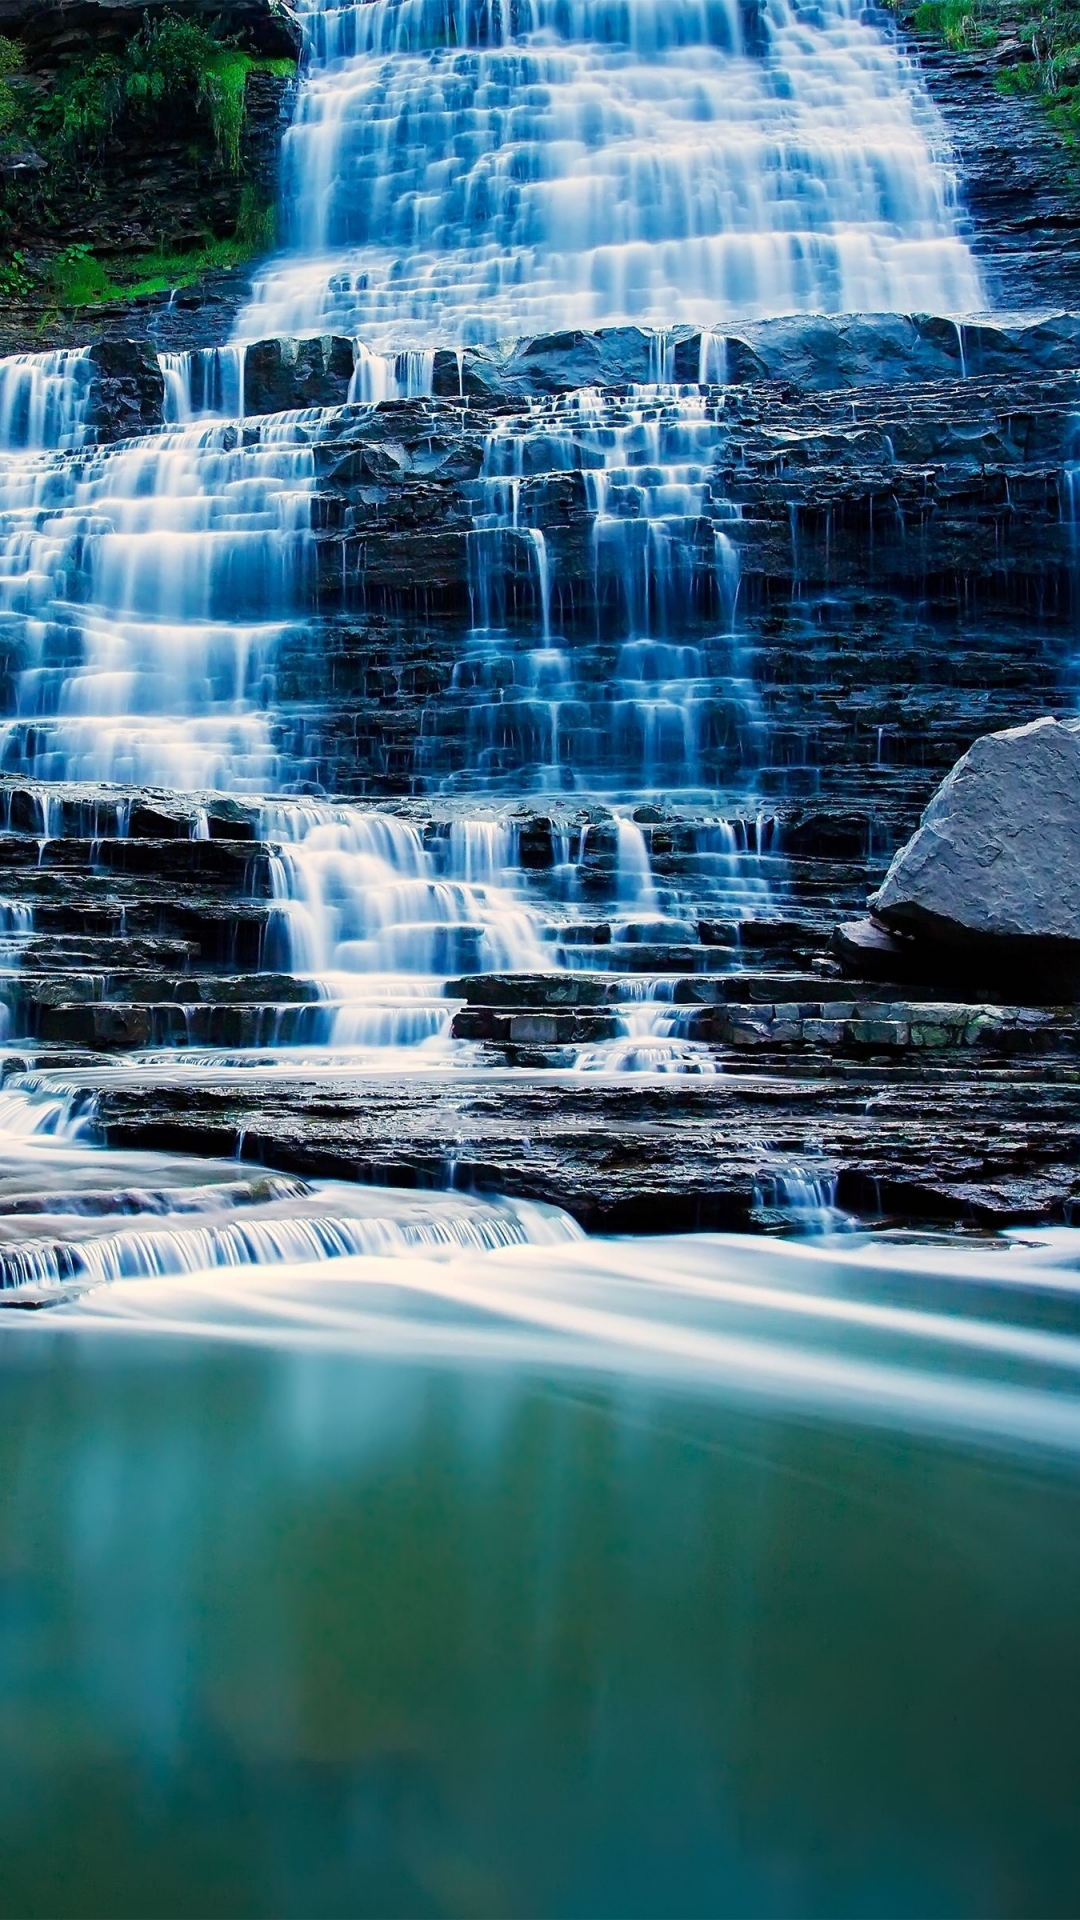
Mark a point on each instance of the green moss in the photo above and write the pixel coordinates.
(170, 60)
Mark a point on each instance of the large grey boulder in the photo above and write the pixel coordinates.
(995, 863)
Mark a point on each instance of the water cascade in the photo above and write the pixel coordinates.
(145, 587)
(462, 171)
(619, 668)
(380, 919)
(43, 399)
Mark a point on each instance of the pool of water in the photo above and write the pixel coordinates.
(698, 1576)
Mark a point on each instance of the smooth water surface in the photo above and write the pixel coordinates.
(705, 1576)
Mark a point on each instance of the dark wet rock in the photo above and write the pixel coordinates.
(1018, 180)
(996, 1142)
(566, 362)
(68, 27)
(814, 353)
(127, 391)
(995, 865)
(281, 374)
(868, 950)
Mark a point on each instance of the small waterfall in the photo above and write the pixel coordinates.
(206, 383)
(378, 377)
(382, 919)
(793, 1197)
(44, 399)
(148, 584)
(633, 687)
(310, 1225)
(461, 171)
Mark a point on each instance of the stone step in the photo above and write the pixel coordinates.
(137, 986)
(120, 1026)
(991, 1140)
(94, 953)
(85, 810)
(240, 864)
(220, 931)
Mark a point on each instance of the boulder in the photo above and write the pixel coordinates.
(995, 865)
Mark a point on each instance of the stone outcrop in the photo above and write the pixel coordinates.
(995, 864)
(816, 354)
(1017, 181)
(127, 391)
(56, 29)
(157, 185)
(283, 374)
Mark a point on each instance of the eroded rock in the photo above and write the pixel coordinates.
(127, 391)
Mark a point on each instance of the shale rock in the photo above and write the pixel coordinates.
(282, 374)
(72, 26)
(996, 861)
(127, 393)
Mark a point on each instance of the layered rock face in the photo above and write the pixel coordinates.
(98, 226)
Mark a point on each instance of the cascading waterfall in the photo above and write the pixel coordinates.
(461, 170)
(43, 400)
(657, 708)
(146, 587)
(382, 920)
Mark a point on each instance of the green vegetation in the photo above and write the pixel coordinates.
(1038, 42)
(69, 124)
(168, 60)
(77, 278)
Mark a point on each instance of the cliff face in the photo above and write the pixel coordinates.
(98, 229)
(1018, 179)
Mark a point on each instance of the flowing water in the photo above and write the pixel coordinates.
(462, 170)
(698, 1576)
(367, 1551)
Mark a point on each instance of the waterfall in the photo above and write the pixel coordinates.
(206, 382)
(611, 680)
(460, 171)
(43, 399)
(148, 584)
(382, 919)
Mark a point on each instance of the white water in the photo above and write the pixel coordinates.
(381, 920)
(43, 400)
(149, 583)
(924, 1338)
(450, 179)
(662, 598)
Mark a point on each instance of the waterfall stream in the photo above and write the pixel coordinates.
(457, 172)
(412, 813)
(461, 171)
